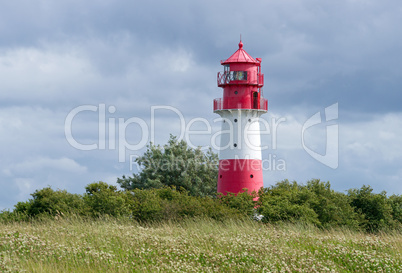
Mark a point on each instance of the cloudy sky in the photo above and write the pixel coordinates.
(80, 80)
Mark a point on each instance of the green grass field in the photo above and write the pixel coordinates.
(110, 245)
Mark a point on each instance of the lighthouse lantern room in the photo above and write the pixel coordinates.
(240, 161)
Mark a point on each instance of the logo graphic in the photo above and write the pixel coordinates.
(330, 158)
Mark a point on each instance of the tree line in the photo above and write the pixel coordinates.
(176, 182)
(313, 203)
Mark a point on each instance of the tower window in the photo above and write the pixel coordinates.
(239, 75)
(235, 145)
(251, 176)
(235, 120)
(236, 92)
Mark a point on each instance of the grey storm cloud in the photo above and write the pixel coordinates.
(331, 48)
(59, 55)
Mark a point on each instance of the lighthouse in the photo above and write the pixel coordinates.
(242, 104)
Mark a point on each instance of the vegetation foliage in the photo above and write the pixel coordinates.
(314, 203)
(178, 182)
(175, 164)
(169, 210)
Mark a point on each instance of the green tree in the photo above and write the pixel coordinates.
(101, 198)
(396, 204)
(376, 208)
(175, 164)
(287, 202)
(333, 208)
(51, 202)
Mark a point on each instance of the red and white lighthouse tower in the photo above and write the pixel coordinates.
(240, 161)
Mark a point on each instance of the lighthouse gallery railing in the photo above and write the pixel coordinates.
(262, 105)
(239, 77)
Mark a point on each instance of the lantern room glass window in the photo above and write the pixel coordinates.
(228, 76)
(239, 75)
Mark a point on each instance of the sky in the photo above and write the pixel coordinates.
(85, 85)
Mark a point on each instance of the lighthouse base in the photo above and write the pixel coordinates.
(238, 174)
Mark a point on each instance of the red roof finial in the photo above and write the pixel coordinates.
(240, 56)
(240, 45)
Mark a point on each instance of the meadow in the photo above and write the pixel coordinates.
(73, 244)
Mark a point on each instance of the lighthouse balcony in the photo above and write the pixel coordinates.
(240, 77)
(260, 104)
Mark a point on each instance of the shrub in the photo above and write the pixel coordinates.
(287, 202)
(396, 204)
(7, 216)
(314, 203)
(375, 208)
(103, 199)
(243, 202)
(332, 208)
(145, 205)
(49, 202)
(170, 204)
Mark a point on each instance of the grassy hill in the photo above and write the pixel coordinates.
(195, 245)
